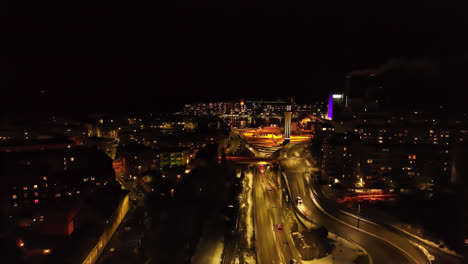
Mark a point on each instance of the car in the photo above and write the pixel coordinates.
(279, 227)
(299, 200)
(261, 168)
(293, 261)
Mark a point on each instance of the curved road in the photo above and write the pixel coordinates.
(382, 244)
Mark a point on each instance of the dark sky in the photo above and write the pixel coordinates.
(124, 56)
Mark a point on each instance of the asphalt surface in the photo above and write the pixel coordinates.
(381, 243)
(273, 245)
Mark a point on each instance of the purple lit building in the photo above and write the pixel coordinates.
(335, 105)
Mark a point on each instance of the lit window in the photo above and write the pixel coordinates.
(35, 186)
(25, 188)
(72, 159)
(15, 204)
(370, 161)
(14, 196)
(44, 178)
(58, 195)
(36, 194)
(36, 201)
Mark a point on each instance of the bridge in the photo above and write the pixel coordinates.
(238, 159)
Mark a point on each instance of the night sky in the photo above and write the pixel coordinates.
(119, 56)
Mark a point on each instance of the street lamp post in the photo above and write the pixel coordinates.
(359, 213)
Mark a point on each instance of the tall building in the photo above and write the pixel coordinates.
(363, 93)
(287, 124)
(335, 105)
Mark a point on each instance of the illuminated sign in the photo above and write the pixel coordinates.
(336, 96)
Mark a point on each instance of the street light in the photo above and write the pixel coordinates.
(359, 212)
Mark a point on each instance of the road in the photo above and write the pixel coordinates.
(124, 246)
(382, 244)
(273, 245)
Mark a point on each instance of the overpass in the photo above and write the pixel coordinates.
(238, 159)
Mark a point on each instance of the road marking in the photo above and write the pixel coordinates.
(360, 218)
(422, 240)
(336, 219)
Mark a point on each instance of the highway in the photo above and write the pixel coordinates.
(273, 245)
(383, 244)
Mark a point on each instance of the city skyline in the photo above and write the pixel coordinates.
(232, 133)
(108, 57)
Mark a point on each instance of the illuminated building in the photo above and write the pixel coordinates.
(287, 125)
(337, 162)
(335, 105)
(190, 124)
(36, 179)
(173, 157)
(136, 158)
(330, 107)
(346, 157)
(44, 191)
(91, 242)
